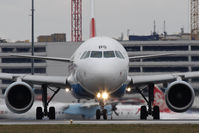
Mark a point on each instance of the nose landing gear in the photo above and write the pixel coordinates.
(101, 112)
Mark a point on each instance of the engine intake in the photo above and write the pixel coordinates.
(19, 97)
(179, 96)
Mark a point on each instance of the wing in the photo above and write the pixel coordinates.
(163, 78)
(43, 58)
(149, 56)
(57, 81)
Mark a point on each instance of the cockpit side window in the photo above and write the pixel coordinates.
(119, 54)
(96, 54)
(109, 54)
(85, 55)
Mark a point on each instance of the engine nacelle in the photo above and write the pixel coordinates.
(19, 97)
(179, 96)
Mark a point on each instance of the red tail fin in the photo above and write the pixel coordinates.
(92, 32)
(159, 100)
(92, 27)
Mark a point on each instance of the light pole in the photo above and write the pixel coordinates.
(32, 66)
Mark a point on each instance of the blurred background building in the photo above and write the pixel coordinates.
(57, 37)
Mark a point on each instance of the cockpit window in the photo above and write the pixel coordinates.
(119, 54)
(85, 55)
(96, 54)
(109, 54)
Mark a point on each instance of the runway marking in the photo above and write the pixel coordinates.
(91, 122)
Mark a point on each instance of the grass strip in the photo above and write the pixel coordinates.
(187, 128)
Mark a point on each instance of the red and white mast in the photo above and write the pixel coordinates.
(76, 20)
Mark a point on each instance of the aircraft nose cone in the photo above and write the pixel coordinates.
(101, 77)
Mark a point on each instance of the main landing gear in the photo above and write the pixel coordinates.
(51, 112)
(101, 112)
(153, 111)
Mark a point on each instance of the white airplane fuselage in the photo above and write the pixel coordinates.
(99, 64)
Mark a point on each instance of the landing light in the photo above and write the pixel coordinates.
(98, 95)
(67, 90)
(105, 95)
(128, 89)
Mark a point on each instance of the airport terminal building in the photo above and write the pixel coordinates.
(185, 58)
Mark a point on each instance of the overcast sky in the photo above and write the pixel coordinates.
(112, 17)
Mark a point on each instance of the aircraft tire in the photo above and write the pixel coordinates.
(39, 113)
(104, 114)
(143, 113)
(98, 114)
(156, 113)
(51, 113)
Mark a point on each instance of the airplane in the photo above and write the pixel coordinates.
(98, 70)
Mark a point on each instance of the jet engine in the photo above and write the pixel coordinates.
(179, 96)
(19, 97)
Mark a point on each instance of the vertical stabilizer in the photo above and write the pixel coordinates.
(92, 24)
